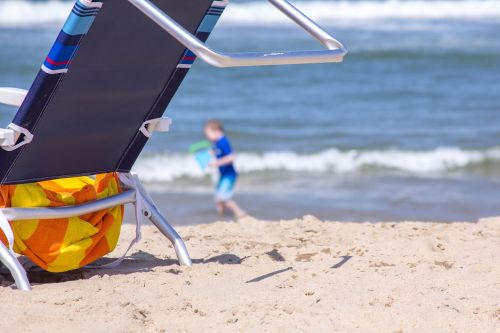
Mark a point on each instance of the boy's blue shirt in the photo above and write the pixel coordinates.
(222, 148)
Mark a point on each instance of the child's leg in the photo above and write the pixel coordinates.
(219, 205)
(237, 211)
(219, 201)
(224, 196)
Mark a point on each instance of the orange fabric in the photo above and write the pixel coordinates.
(59, 245)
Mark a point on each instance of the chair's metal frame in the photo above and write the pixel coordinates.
(335, 50)
(128, 196)
(335, 53)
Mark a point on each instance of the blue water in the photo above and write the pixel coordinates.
(408, 127)
(394, 92)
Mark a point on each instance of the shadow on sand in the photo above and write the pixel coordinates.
(140, 261)
(143, 262)
(268, 275)
(342, 262)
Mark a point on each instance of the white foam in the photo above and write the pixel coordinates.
(20, 13)
(169, 167)
(354, 13)
(14, 13)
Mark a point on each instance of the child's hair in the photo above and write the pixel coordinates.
(214, 124)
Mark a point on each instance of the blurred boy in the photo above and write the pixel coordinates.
(214, 132)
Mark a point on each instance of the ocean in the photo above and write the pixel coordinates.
(406, 128)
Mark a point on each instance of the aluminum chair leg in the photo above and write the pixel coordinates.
(16, 269)
(152, 212)
(161, 223)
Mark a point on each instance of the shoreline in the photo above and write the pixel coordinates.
(300, 275)
(181, 208)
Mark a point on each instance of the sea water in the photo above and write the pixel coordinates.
(408, 127)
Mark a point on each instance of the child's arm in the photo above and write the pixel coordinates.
(228, 159)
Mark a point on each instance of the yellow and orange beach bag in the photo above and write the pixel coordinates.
(60, 245)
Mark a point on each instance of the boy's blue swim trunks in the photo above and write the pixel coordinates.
(225, 187)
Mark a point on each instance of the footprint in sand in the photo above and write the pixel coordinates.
(381, 264)
(305, 257)
(445, 264)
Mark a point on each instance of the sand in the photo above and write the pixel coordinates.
(302, 275)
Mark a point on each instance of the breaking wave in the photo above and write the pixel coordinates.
(22, 13)
(172, 166)
(354, 13)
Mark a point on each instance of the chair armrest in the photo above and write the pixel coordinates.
(334, 52)
(7, 137)
(12, 96)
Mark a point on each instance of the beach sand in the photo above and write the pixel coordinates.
(301, 275)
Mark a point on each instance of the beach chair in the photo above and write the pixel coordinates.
(65, 159)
